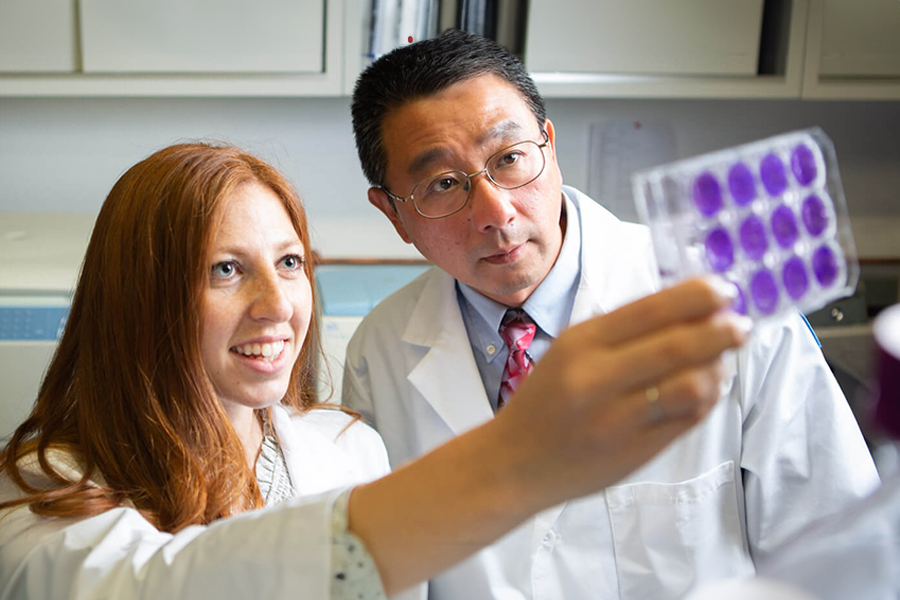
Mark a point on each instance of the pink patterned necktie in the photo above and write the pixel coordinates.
(517, 330)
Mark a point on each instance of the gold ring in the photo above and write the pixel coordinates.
(657, 414)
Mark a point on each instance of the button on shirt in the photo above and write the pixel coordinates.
(550, 306)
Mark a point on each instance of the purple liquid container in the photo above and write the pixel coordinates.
(753, 237)
(764, 291)
(886, 330)
(707, 194)
(815, 215)
(794, 277)
(771, 172)
(784, 227)
(741, 184)
(803, 165)
(719, 250)
(769, 216)
(825, 266)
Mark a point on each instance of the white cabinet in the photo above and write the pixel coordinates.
(673, 49)
(684, 37)
(860, 39)
(853, 50)
(173, 47)
(37, 36)
(202, 36)
(574, 48)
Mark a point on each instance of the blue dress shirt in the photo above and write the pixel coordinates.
(550, 306)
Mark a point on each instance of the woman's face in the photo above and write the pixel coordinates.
(256, 301)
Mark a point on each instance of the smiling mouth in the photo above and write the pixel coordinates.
(265, 352)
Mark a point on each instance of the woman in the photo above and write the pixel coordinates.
(179, 400)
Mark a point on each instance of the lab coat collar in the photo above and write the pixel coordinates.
(313, 460)
(457, 394)
(607, 283)
(447, 376)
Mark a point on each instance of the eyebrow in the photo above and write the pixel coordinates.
(421, 162)
(501, 130)
(238, 250)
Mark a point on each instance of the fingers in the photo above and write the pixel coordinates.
(646, 422)
(694, 299)
(688, 395)
(663, 354)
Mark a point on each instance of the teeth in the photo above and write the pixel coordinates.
(266, 352)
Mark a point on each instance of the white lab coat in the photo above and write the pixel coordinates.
(853, 555)
(779, 450)
(278, 552)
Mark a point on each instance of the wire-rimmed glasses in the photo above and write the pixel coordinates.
(447, 193)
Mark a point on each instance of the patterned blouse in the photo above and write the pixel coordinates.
(354, 574)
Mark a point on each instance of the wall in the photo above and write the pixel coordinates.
(62, 155)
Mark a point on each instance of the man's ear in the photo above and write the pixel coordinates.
(551, 135)
(379, 199)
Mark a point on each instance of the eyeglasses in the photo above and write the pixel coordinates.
(447, 193)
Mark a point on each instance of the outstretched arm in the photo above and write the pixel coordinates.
(580, 422)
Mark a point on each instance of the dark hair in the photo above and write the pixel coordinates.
(423, 69)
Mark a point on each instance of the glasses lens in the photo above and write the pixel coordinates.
(517, 165)
(442, 194)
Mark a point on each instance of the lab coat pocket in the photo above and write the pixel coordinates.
(670, 537)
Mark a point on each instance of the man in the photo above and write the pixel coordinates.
(454, 139)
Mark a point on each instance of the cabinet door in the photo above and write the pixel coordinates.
(37, 36)
(860, 39)
(853, 50)
(688, 37)
(202, 36)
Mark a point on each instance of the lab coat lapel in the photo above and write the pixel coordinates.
(607, 283)
(604, 286)
(313, 461)
(447, 376)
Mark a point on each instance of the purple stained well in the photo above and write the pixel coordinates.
(815, 215)
(719, 250)
(764, 291)
(707, 194)
(784, 226)
(825, 265)
(741, 185)
(753, 237)
(803, 164)
(795, 279)
(771, 172)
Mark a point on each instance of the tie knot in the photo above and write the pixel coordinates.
(517, 329)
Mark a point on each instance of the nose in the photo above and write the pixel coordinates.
(270, 301)
(491, 206)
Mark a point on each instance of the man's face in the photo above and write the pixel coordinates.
(503, 242)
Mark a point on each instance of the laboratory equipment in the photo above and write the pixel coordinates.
(769, 216)
(886, 331)
(29, 327)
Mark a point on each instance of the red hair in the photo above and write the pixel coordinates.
(126, 391)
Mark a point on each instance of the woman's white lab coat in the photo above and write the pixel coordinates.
(278, 552)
